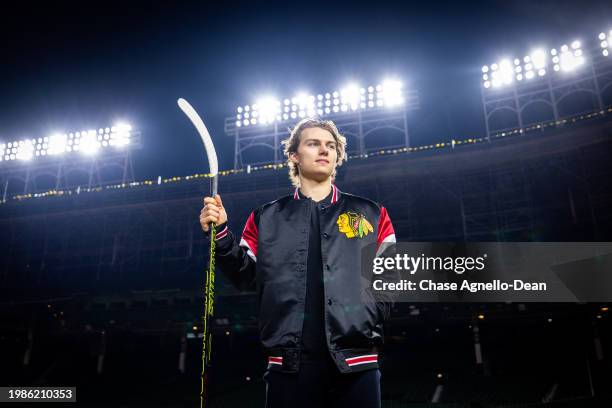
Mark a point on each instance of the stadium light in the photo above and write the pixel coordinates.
(25, 149)
(350, 98)
(506, 72)
(119, 136)
(268, 110)
(303, 103)
(498, 74)
(57, 144)
(605, 42)
(539, 62)
(86, 141)
(392, 93)
(567, 58)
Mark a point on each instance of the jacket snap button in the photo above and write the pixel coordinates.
(329, 302)
(325, 235)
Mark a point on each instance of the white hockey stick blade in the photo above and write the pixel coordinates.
(206, 139)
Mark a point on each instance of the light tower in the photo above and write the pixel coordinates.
(546, 85)
(87, 158)
(359, 112)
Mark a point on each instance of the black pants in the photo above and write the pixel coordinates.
(320, 384)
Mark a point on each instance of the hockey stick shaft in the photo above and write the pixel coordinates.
(209, 284)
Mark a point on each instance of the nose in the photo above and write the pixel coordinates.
(324, 149)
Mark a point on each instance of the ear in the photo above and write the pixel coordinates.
(294, 158)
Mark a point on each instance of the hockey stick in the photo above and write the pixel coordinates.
(209, 288)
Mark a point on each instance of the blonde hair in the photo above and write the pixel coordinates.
(293, 141)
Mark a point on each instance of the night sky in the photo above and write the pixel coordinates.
(81, 65)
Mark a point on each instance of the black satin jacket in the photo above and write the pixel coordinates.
(271, 258)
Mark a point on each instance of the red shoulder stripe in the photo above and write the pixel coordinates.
(250, 233)
(386, 233)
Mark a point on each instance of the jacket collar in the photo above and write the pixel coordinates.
(334, 196)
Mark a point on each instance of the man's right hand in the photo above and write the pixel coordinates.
(213, 211)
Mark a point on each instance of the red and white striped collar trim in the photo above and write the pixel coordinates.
(365, 359)
(334, 198)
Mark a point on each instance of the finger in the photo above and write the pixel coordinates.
(206, 217)
(209, 200)
(208, 207)
(210, 211)
(218, 200)
(209, 219)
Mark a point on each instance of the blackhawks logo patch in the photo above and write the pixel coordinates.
(353, 225)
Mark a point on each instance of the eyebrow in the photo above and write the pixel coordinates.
(318, 140)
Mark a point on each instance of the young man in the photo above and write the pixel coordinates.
(302, 255)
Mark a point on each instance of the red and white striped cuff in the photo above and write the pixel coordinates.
(275, 360)
(222, 234)
(366, 359)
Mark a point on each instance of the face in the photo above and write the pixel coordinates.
(343, 223)
(316, 154)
